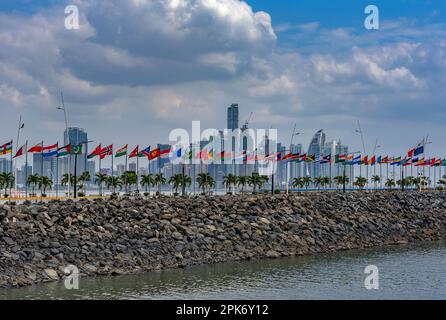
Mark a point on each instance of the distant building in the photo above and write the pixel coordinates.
(132, 167)
(233, 117)
(76, 136)
(5, 165)
(120, 169)
(91, 169)
(46, 168)
(22, 175)
(316, 148)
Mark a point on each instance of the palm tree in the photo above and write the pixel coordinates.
(360, 182)
(376, 179)
(205, 182)
(307, 181)
(6, 180)
(148, 181)
(390, 183)
(318, 181)
(176, 181)
(100, 179)
(84, 178)
(242, 181)
(298, 182)
(340, 180)
(230, 181)
(326, 181)
(160, 180)
(263, 180)
(113, 183)
(33, 180)
(256, 181)
(129, 178)
(186, 182)
(44, 183)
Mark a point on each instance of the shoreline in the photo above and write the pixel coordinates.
(134, 236)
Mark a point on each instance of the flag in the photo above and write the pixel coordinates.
(357, 160)
(436, 162)
(19, 152)
(107, 151)
(121, 152)
(365, 160)
(76, 149)
(287, 156)
(372, 161)
(96, 152)
(50, 151)
(36, 148)
(145, 153)
(6, 148)
(134, 153)
(326, 159)
(164, 151)
(396, 161)
(64, 151)
(340, 158)
(420, 162)
(408, 161)
(443, 163)
(310, 158)
(177, 154)
(154, 154)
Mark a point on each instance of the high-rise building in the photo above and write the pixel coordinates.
(5, 165)
(132, 167)
(120, 169)
(22, 175)
(76, 136)
(46, 167)
(91, 169)
(316, 148)
(296, 168)
(233, 119)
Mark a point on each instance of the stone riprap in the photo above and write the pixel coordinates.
(129, 236)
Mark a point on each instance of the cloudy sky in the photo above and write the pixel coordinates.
(137, 69)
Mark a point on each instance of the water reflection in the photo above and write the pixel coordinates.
(409, 272)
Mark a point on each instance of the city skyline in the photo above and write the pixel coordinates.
(321, 71)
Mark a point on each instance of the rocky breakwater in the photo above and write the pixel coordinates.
(110, 237)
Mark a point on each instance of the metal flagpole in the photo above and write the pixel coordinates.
(100, 184)
(12, 172)
(137, 171)
(41, 168)
(17, 148)
(57, 175)
(126, 170)
(26, 170)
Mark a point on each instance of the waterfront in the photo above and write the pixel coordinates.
(414, 271)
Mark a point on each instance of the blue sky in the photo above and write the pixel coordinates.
(314, 64)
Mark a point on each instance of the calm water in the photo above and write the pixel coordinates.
(409, 272)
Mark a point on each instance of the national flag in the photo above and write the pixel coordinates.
(357, 160)
(385, 160)
(121, 152)
(325, 159)
(36, 148)
(372, 161)
(177, 154)
(408, 161)
(50, 151)
(443, 163)
(6, 148)
(436, 162)
(134, 153)
(64, 151)
(164, 151)
(310, 158)
(287, 156)
(20, 152)
(340, 158)
(396, 161)
(96, 152)
(145, 153)
(107, 151)
(420, 162)
(76, 149)
(154, 154)
(365, 160)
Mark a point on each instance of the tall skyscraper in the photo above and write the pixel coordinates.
(47, 168)
(5, 165)
(76, 136)
(316, 148)
(233, 119)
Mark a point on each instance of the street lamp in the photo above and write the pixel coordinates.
(63, 108)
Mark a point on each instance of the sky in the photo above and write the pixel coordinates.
(137, 69)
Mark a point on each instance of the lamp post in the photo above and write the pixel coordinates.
(63, 108)
(294, 134)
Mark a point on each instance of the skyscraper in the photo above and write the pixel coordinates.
(233, 120)
(76, 136)
(316, 148)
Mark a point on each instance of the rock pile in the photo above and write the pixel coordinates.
(128, 236)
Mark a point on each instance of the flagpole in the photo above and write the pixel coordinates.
(12, 172)
(17, 148)
(57, 173)
(126, 169)
(41, 169)
(137, 171)
(100, 184)
(26, 171)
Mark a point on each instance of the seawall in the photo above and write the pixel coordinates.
(128, 236)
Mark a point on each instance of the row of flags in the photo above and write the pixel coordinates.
(414, 157)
